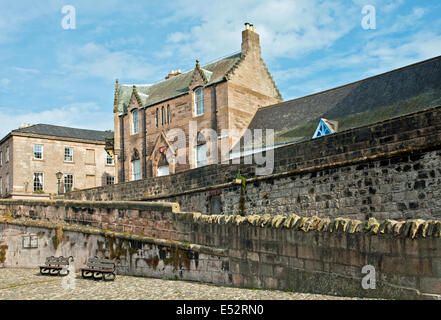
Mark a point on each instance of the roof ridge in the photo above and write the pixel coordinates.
(53, 125)
(354, 82)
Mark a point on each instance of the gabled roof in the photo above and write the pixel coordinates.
(398, 92)
(173, 87)
(65, 132)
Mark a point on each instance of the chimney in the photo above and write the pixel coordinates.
(250, 40)
(173, 73)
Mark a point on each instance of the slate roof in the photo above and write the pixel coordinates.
(175, 86)
(398, 92)
(66, 132)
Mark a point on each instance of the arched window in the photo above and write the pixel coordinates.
(136, 165)
(135, 121)
(199, 101)
(162, 116)
(168, 113)
(201, 151)
(157, 117)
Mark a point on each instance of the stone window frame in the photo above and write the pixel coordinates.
(168, 114)
(38, 186)
(199, 98)
(112, 162)
(1, 158)
(157, 117)
(69, 182)
(7, 183)
(135, 121)
(110, 180)
(35, 152)
(1, 185)
(65, 154)
(135, 159)
(7, 154)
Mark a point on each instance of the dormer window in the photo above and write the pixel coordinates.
(135, 121)
(199, 101)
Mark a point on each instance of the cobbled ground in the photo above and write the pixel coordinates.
(28, 284)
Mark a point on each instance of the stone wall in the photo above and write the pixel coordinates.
(139, 256)
(272, 252)
(389, 169)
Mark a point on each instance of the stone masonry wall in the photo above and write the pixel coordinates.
(272, 252)
(389, 169)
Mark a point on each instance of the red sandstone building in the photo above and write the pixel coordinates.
(224, 94)
(238, 92)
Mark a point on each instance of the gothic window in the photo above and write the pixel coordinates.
(201, 155)
(136, 165)
(162, 116)
(135, 121)
(168, 113)
(199, 101)
(157, 117)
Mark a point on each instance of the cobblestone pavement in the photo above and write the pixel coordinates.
(25, 284)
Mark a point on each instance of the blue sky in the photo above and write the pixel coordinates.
(66, 77)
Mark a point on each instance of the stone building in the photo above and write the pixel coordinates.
(222, 95)
(31, 156)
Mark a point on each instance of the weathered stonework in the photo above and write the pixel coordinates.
(386, 170)
(306, 254)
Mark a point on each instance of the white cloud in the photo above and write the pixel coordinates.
(86, 115)
(94, 60)
(287, 28)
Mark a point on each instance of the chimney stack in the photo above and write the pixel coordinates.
(250, 40)
(173, 73)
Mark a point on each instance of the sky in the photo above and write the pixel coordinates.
(62, 71)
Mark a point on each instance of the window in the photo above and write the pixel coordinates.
(68, 182)
(162, 116)
(157, 117)
(90, 156)
(7, 153)
(7, 183)
(1, 185)
(136, 169)
(38, 181)
(1, 158)
(68, 154)
(38, 151)
(199, 101)
(168, 113)
(109, 159)
(135, 121)
(110, 180)
(201, 155)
